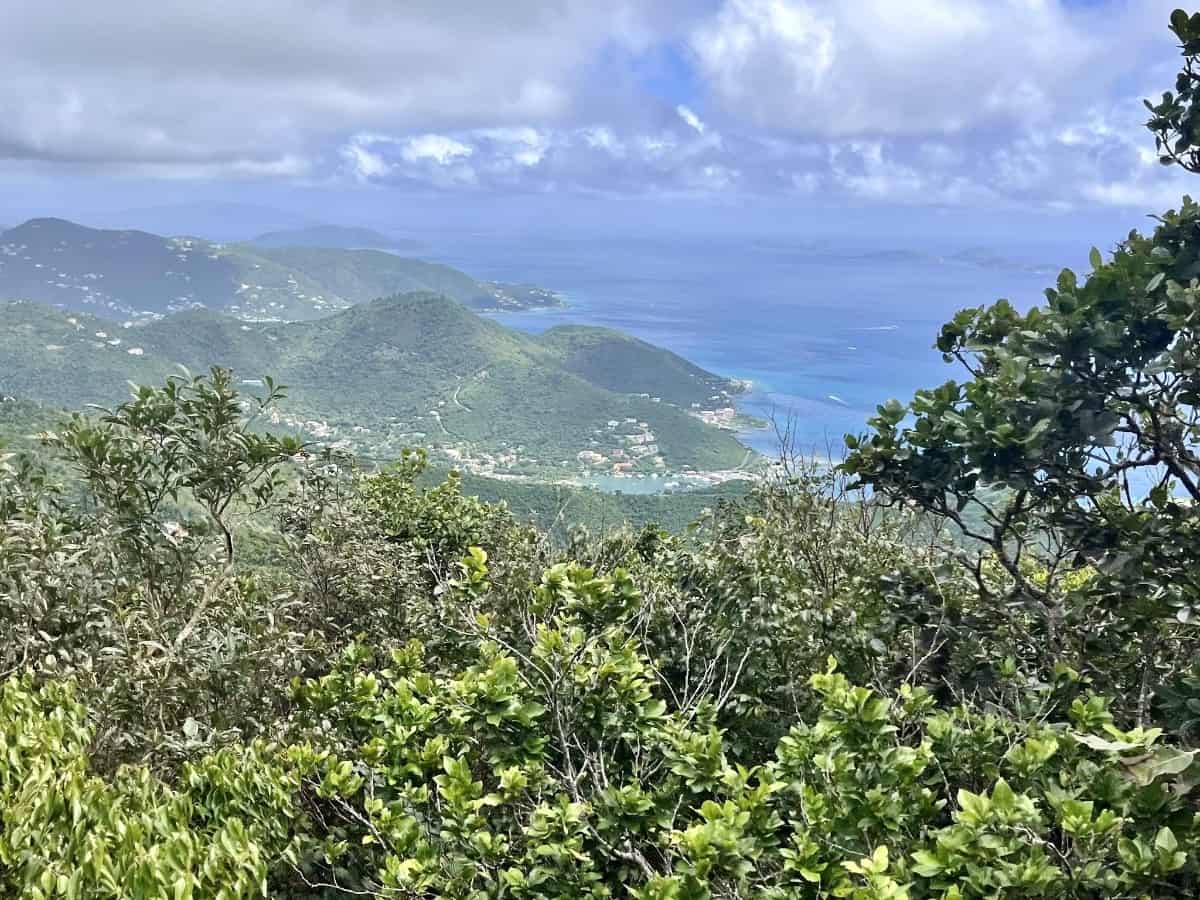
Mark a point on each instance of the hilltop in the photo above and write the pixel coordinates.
(622, 363)
(411, 369)
(136, 275)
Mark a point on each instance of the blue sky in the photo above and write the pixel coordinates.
(941, 108)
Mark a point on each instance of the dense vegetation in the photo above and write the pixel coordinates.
(970, 671)
(414, 368)
(401, 690)
(626, 365)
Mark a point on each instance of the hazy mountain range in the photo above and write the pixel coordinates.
(135, 275)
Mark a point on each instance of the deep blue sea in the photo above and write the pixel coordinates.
(824, 330)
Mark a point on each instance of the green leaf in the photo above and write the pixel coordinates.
(1103, 744)
(1165, 761)
(1165, 841)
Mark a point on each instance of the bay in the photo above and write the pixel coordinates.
(825, 330)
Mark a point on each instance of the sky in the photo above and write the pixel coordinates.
(460, 110)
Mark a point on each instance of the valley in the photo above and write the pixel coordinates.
(414, 369)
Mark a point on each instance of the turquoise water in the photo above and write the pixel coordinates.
(825, 331)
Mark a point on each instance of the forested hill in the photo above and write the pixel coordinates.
(623, 363)
(415, 368)
(137, 275)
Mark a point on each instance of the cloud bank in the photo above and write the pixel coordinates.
(984, 102)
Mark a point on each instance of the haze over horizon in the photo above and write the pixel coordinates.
(746, 115)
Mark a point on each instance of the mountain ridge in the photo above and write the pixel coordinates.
(127, 274)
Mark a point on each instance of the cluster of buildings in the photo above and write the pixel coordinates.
(491, 465)
(100, 340)
(317, 428)
(722, 417)
(632, 446)
(270, 302)
(87, 284)
(252, 301)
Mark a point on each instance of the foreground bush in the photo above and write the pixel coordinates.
(64, 832)
(560, 773)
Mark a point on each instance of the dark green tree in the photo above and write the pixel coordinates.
(1073, 441)
(1174, 120)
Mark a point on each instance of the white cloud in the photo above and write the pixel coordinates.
(601, 137)
(690, 118)
(718, 177)
(287, 166)
(985, 102)
(861, 168)
(656, 146)
(521, 146)
(143, 82)
(1130, 193)
(435, 147)
(790, 44)
(1020, 165)
(364, 164)
(919, 67)
(1098, 158)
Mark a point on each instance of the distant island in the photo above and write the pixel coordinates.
(823, 251)
(138, 276)
(987, 259)
(335, 237)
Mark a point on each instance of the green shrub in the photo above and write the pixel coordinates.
(67, 833)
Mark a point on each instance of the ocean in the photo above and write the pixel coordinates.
(826, 331)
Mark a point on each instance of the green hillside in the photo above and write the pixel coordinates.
(556, 508)
(114, 273)
(371, 273)
(70, 359)
(20, 423)
(196, 337)
(415, 368)
(368, 274)
(622, 363)
(135, 275)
